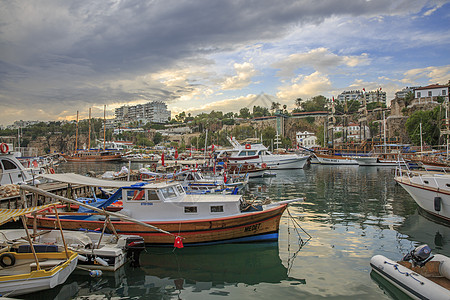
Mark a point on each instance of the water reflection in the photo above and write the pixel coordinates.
(165, 273)
(423, 230)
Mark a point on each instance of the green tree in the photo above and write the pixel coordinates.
(316, 103)
(244, 113)
(157, 138)
(430, 120)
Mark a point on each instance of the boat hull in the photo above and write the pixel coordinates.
(425, 196)
(274, 162)
(38, 280)
(375, 162)
(414, 285)
(246, 227)
(335, 160)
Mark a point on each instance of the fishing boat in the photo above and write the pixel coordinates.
(34, 268)
(97, 251)
(253, 170)
(431, 191)
(197, 219)
(418, 275)
(260, 154)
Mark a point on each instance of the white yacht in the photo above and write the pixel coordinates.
(260, 154)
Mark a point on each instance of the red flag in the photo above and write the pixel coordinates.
(162, 159)
(333, 99)
(364, 89)
(380, 89)
(225, 177)
(212, 148)
(176, 153)
(214, 170)
(178, 242)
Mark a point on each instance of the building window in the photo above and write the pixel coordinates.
(418, 95)
(430, 93)
(190, 209)
(444, 92)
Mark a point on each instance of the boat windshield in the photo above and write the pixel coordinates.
(168, 192)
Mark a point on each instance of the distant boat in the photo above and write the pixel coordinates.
(93, 156)
(326, 159)
(260, 154)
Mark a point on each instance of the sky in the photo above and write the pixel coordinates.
(60, 57)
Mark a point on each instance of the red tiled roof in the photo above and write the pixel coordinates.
(433, 86)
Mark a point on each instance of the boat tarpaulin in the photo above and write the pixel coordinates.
(73, 178)
(7, 214)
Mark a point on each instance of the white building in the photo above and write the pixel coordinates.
(155, 112)
(354, 131)
(431, 93)
(370, 96)
(306, 139)
(402, 94)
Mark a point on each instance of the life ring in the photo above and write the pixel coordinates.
(4, 148)
(264, 165)
(51, 170)
(248, 146)
(7, 260)
(35, 163)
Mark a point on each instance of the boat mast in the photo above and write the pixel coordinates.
(76, 136)
(384, 130)
(421, 144)
(104, 127)
(89, 138)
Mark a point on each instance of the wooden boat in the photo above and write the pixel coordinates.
(431, 191)
(423, 278)
(198, 219)
(326, 159)
(34, 268)
(93, 156)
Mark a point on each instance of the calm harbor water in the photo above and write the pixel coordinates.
(352, 213)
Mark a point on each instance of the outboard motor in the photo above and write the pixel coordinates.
(419, 256)
(134, 247)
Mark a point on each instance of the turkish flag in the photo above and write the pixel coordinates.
(176, 153)
(224, 177)
(162, 159)
(178, 242)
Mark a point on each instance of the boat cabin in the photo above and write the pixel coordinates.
(12, 171)
(169, 201)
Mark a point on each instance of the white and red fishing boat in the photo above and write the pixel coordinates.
(199, 219)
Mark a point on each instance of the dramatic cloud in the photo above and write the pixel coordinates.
(433, 75)
(60, 56)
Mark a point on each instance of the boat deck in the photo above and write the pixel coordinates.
(430, 271)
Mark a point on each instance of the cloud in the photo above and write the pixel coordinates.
(59, 56)
(304, 87)
(243, 77)
(226, 105)
(321, 59)
(434, 74)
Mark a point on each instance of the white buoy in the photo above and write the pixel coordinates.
(101, 261)
(82, 258)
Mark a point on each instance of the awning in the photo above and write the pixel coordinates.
(90, 181)
(7, 214)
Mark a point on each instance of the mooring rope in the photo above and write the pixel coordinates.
(404, 273)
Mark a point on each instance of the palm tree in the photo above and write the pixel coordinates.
(298, 102)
